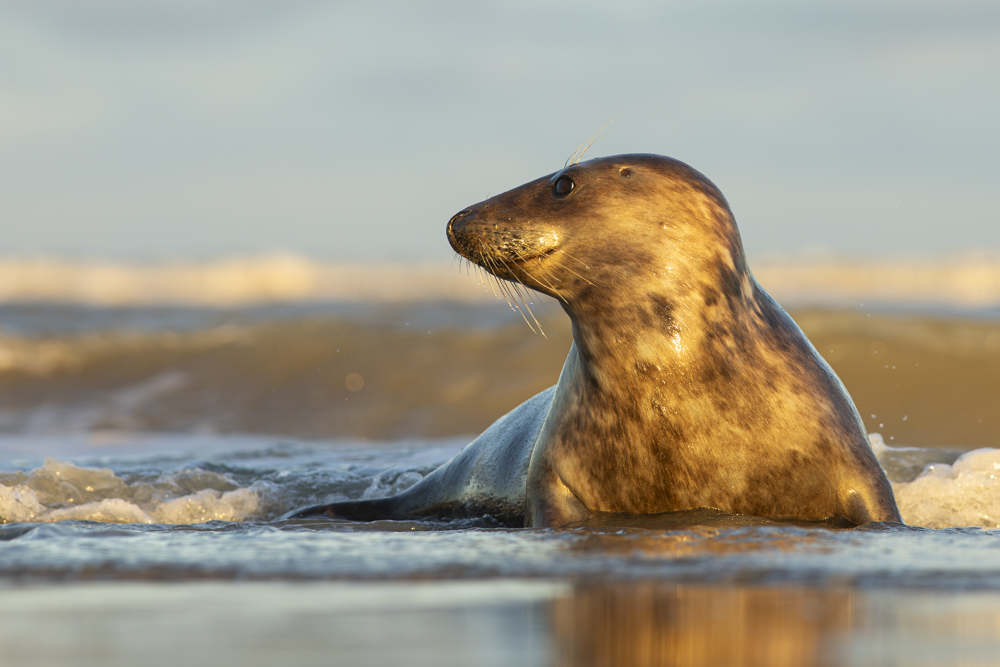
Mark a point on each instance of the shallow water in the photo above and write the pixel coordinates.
(694, 588)
(122, 544)
(493, 622)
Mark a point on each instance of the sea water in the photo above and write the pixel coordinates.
(147, 454)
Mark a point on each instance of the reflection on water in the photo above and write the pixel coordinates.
(652, 623)
(495, 622)
(656, 623)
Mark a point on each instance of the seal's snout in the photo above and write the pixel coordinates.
(460, 214)
(451, 226)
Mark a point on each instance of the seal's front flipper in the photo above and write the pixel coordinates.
(351, 510)
(550, 503)
(877, 504)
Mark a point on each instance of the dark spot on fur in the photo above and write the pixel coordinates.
(663, 310)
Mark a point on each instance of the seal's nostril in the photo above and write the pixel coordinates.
(455, 217)
(459, 215)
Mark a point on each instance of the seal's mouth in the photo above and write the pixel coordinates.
(510, 256)
(494, 244)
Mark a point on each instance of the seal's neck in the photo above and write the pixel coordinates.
(664, 328)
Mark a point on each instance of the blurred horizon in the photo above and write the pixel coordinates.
(966, 284)
(351, 132)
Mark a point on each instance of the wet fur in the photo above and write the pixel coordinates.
(687, 386)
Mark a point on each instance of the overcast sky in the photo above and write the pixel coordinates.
(195, 129)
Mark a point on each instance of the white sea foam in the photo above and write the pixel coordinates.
(61, 491)
(966, 493)
(19, 503)
(963, 493)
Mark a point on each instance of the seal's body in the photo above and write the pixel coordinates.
(687, 386)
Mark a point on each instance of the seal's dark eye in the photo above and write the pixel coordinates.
(563, 186)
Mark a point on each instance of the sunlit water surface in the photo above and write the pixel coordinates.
(167, 548)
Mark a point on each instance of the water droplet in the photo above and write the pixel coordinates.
(354, 382)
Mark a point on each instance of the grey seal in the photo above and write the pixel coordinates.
(687, 386)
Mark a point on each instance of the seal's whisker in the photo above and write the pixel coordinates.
(578, 275)
(484, 278)
(524, 300)
(491, 275)
(478, 272)
(571, 157)
(506, 286)
(502, 285)
(525, 289)
(525, 263)
(578, 154)
(483, 275)
(583, 263)
(593, 141)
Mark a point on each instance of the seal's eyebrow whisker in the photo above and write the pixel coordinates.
(594, 141)
(571, 157)
(578, 154)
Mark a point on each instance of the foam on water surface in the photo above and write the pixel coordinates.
(934, 488)
(951, 489)
(60, 491)
(195, 479)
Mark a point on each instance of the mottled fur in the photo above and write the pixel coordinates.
(687, 386)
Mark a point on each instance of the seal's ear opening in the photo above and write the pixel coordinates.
(625, 171)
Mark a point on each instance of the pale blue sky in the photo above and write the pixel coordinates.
(353, 130)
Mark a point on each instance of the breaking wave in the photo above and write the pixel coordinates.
(965, 281)
(233, 282)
